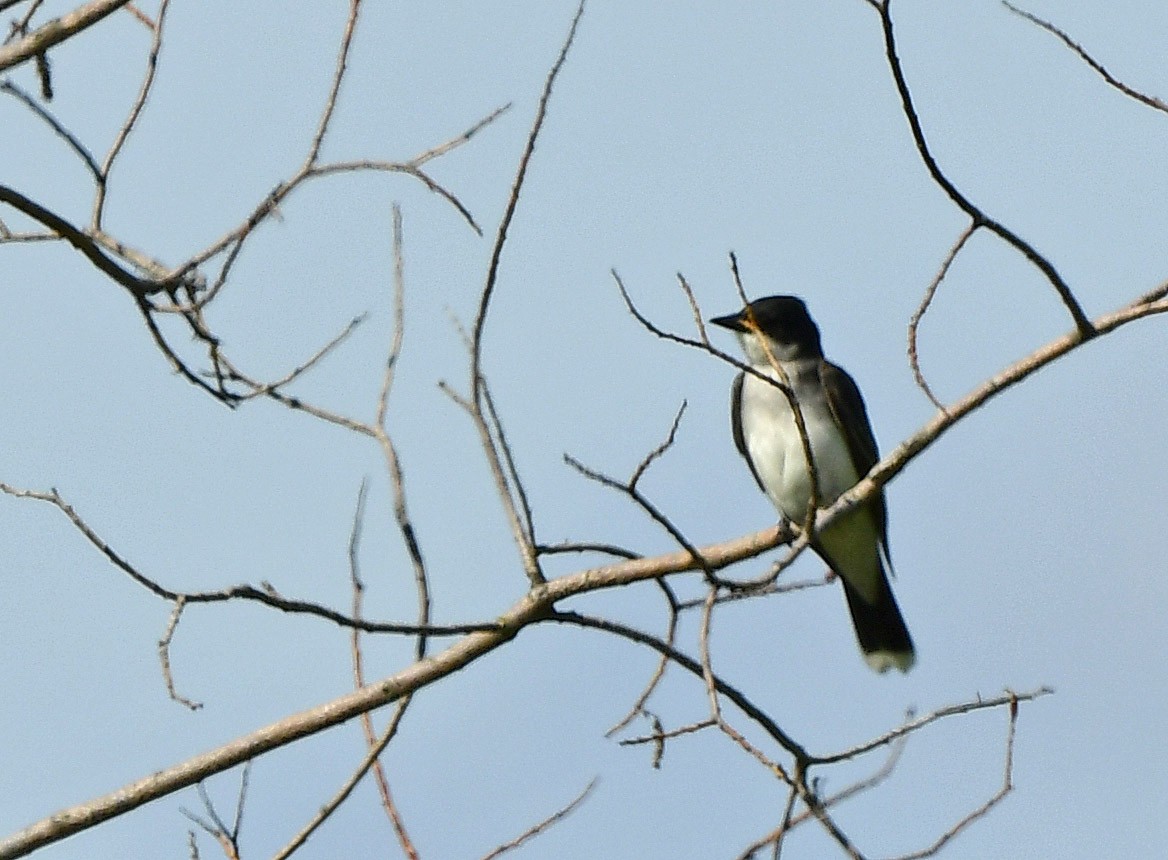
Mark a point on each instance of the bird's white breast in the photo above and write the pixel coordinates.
(776, 450)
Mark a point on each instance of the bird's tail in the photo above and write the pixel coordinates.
(880, 629)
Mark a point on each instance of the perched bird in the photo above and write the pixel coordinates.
(779, 331)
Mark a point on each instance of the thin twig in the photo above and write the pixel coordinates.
(919, 313)
(482, 414)
(1150, 101)
(259, 389)
(495, 426)
(630, 489)
(266, 596)
(272, 202)
(164, 656)
(556, 817)
(740, 700)
(71, 139)
(980, 219)
(330, 104)
(661, 735)
(219, 391)
(586, 546)
(790, 820)
(981, 811)
(342, 794)
(131, 119)
(513, 199)
(1009, 698)
(638, 706)
(227, 836)
(371, 739)
(713, 689)
(703, 344)
(819, 811)
(660, 450)
(389, 449)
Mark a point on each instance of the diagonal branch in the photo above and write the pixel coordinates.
(139, 287)
(485, 418)
(56, 31)
(538, 606)
(919, 314)
(132, 118)
(79, 149)
(539, 827)
(1150, 101)
(694, 667)
(998, 796)
(330, 104)
(980, 218)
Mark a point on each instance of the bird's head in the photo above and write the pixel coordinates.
(783, 322)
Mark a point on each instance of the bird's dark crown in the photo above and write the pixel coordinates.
(782, 318)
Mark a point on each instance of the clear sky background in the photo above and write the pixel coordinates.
(1030, 541)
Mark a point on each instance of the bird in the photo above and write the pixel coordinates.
(778, 332)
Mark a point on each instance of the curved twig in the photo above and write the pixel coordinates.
(980, 218)
(919, 314)
(1130, 92)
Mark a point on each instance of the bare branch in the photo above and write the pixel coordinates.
(218, 391)
(389, 450)
(790, 821)
(556, 817)
(346, 790)
(661, 735)
(1009, 698)
(1151, 303)
(713, 690)
(586, 546)
(267, 595)
(1150, 101)
(981, 811)
(271, 204)
(919, 314)
(514, 482)
(691, 665)
(980, 219)
(56, 31)
(808, 796)
(266, 388)
(638, 706)
(630, 489)
(371, 739)
(657, 452)
(164, 656)
(132, 118)
(138, 287)
(330, 104)
(703, 344)
(226, 836)
(536, 606)
(71, 139)
(513, 200)
(482, 412)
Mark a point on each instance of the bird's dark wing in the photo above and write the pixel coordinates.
(847, 408)
(736, 426)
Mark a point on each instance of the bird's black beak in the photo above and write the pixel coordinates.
(734, 322)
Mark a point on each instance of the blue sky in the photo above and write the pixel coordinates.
(1029, 541)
